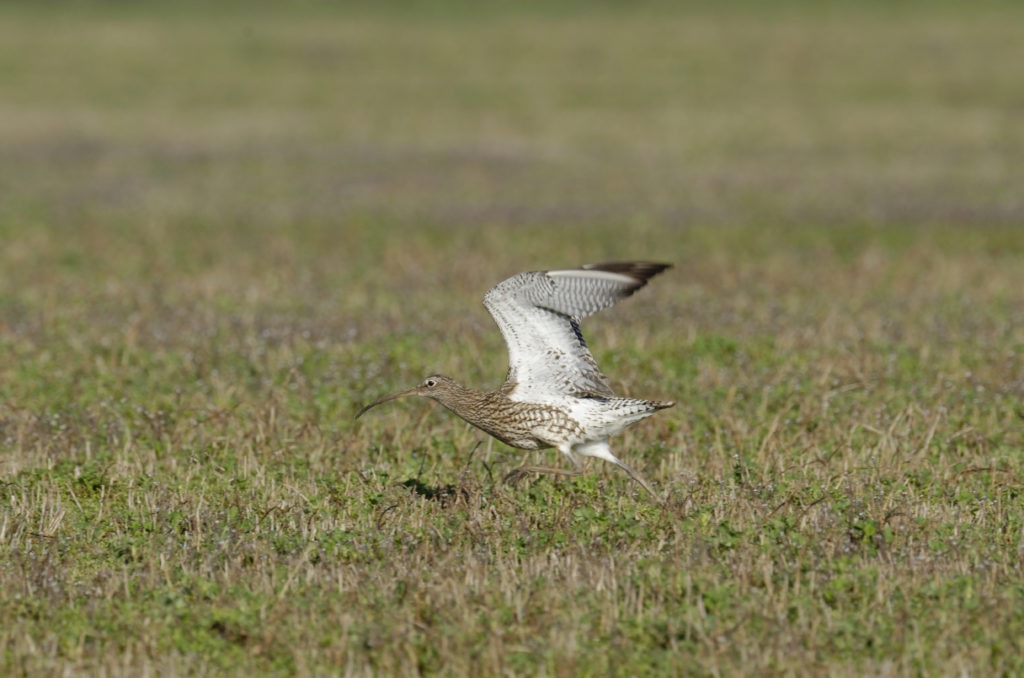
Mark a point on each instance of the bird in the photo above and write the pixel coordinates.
(554, 394)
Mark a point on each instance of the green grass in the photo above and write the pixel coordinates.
(221, 234)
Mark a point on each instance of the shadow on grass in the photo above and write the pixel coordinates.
(445, 494)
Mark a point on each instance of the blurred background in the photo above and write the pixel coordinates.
(350, 173)
(224, 226)
(358, 172)
(310, 131)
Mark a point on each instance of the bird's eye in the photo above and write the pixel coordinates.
(430, 383)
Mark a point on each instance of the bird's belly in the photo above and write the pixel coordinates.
(522, 437)
(527, 444)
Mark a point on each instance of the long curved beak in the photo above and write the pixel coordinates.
(381, 401)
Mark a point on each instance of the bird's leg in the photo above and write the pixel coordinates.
(635, 476)
(600, 449)
(517, 474)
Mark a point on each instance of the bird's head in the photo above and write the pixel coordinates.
(436, 386)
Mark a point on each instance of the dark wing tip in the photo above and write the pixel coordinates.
(642, 271)
(639, 271)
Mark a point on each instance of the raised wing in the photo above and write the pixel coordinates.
(539, 313)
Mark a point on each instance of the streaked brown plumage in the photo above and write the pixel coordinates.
(554, 395)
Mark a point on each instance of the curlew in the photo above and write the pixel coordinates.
(554, 394)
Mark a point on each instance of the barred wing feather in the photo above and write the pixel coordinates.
(539, 313)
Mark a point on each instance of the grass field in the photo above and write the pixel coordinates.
(221, 234)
